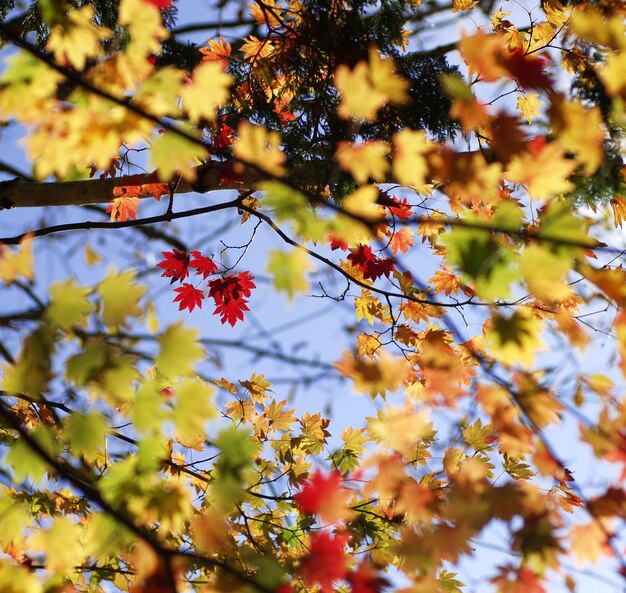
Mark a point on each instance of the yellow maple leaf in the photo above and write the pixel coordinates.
(544, 171)
(62, 544)
(260, 148)
(359, 99)
(77, 37)
(544, 272)
(400, 428)
(257, 387)
(159, 94)
(179, 350)
(207, 91)
(580, 130)
(417, 312)
(28, 87)
(16, 264)
(557, 13)
(541, 34)
(444, 370)
(404, 334)
(144, 23)
(499, 19)
(193, 408)
(173, 154)
(613, 73)
(210, 532)
(362, 203)
(255, 48)
(369, 86)
(385, 79)
(611, 281)
(15, 578)
(470, 178)
(528, 105)
(537, 402)
(461, 5)
(591, 24)
(265, 13)
(589, 542)
(364, 161)
(375, 377)
(120, 296)
(289, 270)
(69, 306)
(367, 345)
(368, 307)
(409, 162)
(481, 53)
(91, 257)
(516, 339)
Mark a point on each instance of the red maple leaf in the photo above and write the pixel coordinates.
(231, 310)
(536, 145)
(188, 297)
(527, 70)
(160, 4)
(223, 136)
(401, 209)
(175, 265)
(371, 266)
(203, 265)
(230, 294)
(337, 243)
(156, 190)
(326, 561)
(517, 580)
(365, 579)
(325, 495)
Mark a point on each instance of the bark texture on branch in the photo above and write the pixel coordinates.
(210, 177)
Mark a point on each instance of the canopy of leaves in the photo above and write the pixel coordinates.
(458, 206)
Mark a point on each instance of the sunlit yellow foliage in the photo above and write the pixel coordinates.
(376, 377)
(77, 38)
(515, 340)
(368, 87)
(260, 148)
(207, 91)
(409, 163)
(364, 161)
(18, 263)
(529, 105)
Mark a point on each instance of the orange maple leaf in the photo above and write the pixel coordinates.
(589, 542)
(618, 206)
(217, 51)
(401, 240)
(123, 208)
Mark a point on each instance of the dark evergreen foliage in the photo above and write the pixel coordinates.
(331, 33)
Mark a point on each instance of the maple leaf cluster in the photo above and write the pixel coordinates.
(230, 292)
(327, 563)
(125, 204)
(372, 267)
(326, 496)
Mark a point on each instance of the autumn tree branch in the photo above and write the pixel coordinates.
(69, 473)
